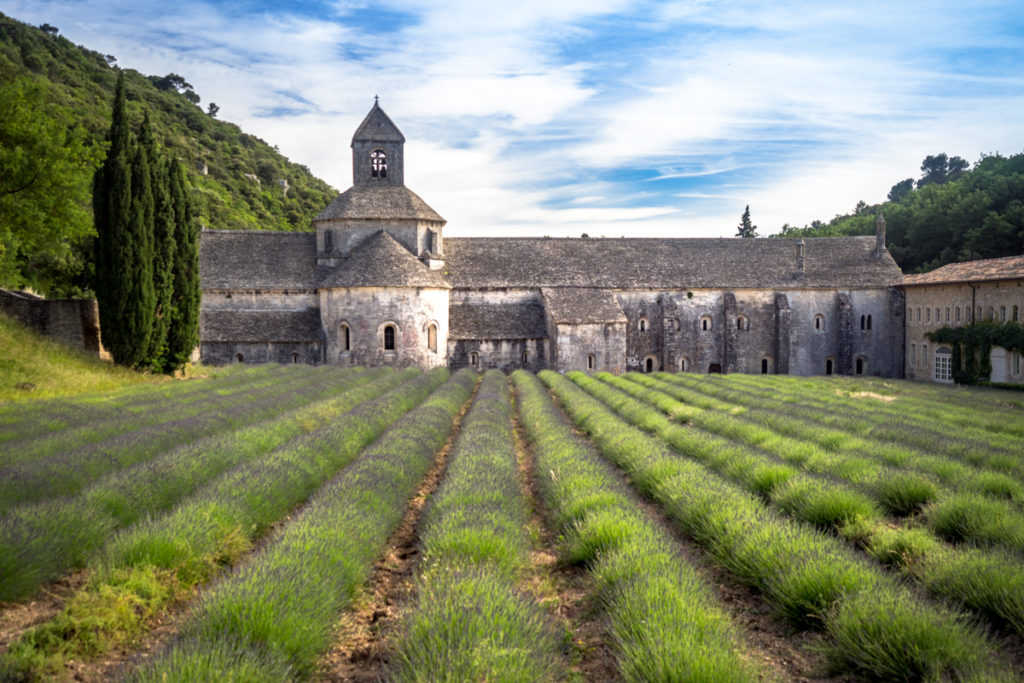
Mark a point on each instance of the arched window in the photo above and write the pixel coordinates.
(819, 322)
(378, 164)
(742, 323)
(474, 359)
(1002, 314)
(947, 314)
(919, 314)
(432, 337)
(869, 321)
(860, 365)
(649, 365)
(345, 338)
(863, 322)
(591, 362)
(1015, 314)
(944, 365)
(389, 337)
(764, 366)
(913, 355)
(526, 358)
(958, 314)
(705, 323)
(927, 315)
(239, 357)
(828, 366)
(642, 324)
(938, 316)
(295, 358)
(683, 364)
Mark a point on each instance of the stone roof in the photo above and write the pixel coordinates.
(378, 202)
(380, 261)
(496, 321)
(1006, 268)
(378, 127)
(574, 305)
(260, 326)
(257, 260)
(718, 263)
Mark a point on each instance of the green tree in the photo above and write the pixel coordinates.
(45, 165)
(183, 334)
(901, 190)
(746, 228)
(164, 249)
(123, 214)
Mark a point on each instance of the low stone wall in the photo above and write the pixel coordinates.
(75, 322)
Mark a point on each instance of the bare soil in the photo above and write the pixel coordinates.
(18, 617)
(366, 631)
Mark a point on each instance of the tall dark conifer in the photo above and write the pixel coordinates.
(112, 209)
(138, 262)
(164, 250)
(183, 335)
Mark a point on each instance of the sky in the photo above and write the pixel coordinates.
(606, 117)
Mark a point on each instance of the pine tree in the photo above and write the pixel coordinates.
(183, 335)
(164, 250)
(746, 228)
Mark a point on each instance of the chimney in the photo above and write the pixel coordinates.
(879, 235)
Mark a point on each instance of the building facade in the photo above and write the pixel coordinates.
(956, 295)
(377, 283)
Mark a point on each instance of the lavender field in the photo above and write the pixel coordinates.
(314, 523)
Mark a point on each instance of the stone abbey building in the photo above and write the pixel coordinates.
(378, 284)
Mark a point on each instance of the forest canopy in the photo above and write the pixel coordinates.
(949, 214)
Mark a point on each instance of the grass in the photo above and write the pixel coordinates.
(33, 366)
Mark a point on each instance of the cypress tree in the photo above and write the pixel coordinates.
(183, 335)
(164, 250)
(112, 205)
(138, 262)
(123, 215)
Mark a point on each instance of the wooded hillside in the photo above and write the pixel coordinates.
(949, 214)
(55, 101)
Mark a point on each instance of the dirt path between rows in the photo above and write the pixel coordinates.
(565, 589)
(365, 631)
(18, 617)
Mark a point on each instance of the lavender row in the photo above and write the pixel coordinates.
(160, 560)
(272, 618)
(65, 472)
(38, 542)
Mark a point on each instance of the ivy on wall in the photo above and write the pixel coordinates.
(972, 347)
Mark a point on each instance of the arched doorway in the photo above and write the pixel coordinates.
(715, 369)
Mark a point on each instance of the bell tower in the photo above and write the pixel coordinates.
(377, 151)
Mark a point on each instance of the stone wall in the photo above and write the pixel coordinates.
(74, 322)
(506, 355)
(367, 311)
(224, 353)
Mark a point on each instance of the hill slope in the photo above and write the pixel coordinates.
(237, 180)
(32, 366)
(975, 214)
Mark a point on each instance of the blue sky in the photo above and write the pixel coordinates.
(610, 117)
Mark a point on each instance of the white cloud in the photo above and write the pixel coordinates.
(521, 117)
